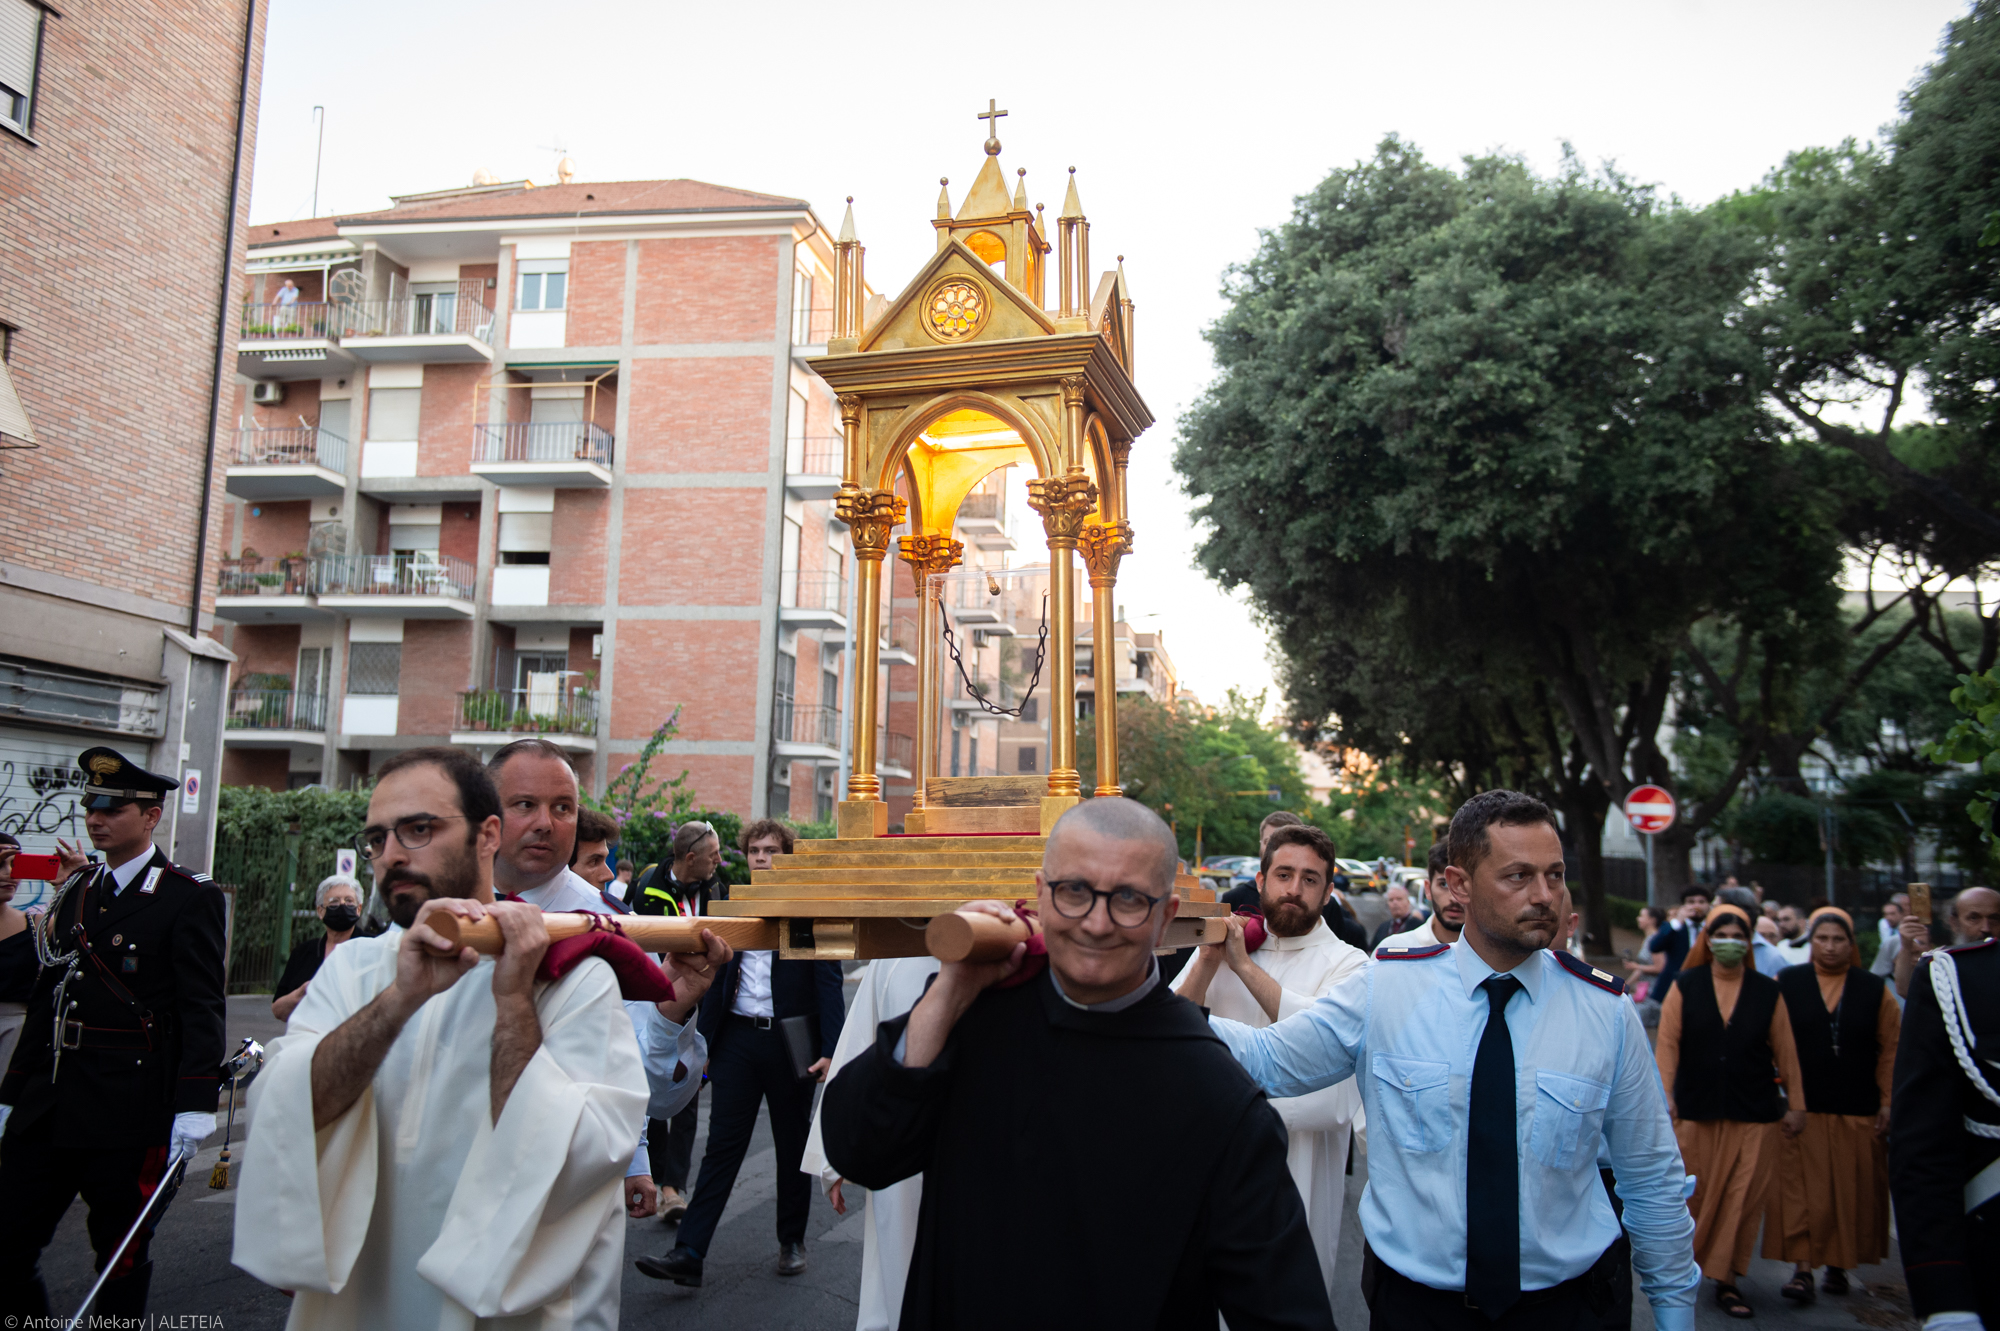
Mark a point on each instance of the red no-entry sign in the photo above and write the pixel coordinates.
(1649, 809)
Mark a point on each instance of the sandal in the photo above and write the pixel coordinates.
(1730, 1300)
(1835, 1282)
(1799, 1289)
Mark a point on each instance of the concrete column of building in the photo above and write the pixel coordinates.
(614, 521)
(1102, 545)
(870, 516)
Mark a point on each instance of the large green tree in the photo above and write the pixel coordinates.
(1485, 447)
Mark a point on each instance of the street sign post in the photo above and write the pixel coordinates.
(1650, 810)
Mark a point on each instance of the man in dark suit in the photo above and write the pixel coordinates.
(1403, 915)
(741, 1018)
(133, 963)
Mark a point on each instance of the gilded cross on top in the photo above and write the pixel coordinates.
(991, 115)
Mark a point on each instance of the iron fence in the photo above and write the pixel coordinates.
(276, 709)
(274, 321)
(298, 446)
(254, 575)
(424, 315)
(424, 573)
(542, 441)
(797, 723)
(816, 455)
(527, 711)
(813, 591)
(271, 882)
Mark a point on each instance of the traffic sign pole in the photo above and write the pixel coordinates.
(1650, 810)
(1652, 887)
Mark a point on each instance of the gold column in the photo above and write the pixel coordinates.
(850, 435)
(1102, 545)
(928, 554)
(1065, 503)
(870, 515)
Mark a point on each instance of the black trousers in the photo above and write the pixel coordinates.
(1398, 1303)
(752, 1065)
(1619, 1255)
(670, 1146)
(38, 1181)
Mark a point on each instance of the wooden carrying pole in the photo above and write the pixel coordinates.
(972, 936)
(654, 933)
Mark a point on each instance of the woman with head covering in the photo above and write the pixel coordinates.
(1831, 1205)
(338, 905)
(1725, 1046)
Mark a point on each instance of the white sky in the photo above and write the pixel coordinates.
(1190, 126)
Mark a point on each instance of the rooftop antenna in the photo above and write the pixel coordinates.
(319, 117)
(562, 157)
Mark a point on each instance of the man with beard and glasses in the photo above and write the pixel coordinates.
(540, 816)
(1297, 962)
(441, 1136)
(1447, 916)
(1493, 1070)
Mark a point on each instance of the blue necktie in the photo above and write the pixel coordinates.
(1493, 1165)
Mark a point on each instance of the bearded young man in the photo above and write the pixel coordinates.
(440, 1136)
(1085, 1111)
(1447, 918)
(1299, 961)
(1494, 1071)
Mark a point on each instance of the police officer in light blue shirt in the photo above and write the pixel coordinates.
(1484, 1206)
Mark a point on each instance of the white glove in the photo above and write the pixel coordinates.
(190, 1130)
(1953, 1322)
(5, 1110)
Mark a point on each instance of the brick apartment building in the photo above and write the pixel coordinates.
(114, 325)
(511, 460)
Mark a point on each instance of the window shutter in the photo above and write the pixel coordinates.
(393, 413)
(526, 532)
(13, 417)
(20, 26)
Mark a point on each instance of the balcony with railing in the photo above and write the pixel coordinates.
(268, 711)
(440, 327)
(812, 326)
(982, 519)
(801, 731)
(301, 462)
(812, 600)
(423, 585)
(563, 454)
(813, 466)
(256, 590)
(898, 754)
(489, 717)
(297, 341)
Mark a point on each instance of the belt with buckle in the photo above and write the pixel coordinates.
(761, 1023)
(76, 1035)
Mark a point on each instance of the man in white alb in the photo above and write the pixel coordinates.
(1447, 910)
(440, 1139)
(1299, 961)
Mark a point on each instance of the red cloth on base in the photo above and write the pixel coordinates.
(639, 976)
(1254, 932)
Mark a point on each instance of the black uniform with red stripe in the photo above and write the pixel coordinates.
(143, 1040)
(1944, 1174)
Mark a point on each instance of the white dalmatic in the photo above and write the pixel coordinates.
(889, 1217)
(1321, 1124)
(414, 1209)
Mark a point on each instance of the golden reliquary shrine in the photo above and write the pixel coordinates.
(970, 369)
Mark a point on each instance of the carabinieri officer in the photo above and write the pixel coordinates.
(1944, 1137)
(1492, 1070)
(121, 1059)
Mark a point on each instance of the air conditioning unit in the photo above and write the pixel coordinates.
(267, 393)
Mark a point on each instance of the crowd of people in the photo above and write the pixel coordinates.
(446, 1136)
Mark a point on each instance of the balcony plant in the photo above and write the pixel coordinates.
(484, 709)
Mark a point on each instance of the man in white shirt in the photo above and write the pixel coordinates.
(538, 822)
(1299, 961)
(1447, 910)
(1794, 948)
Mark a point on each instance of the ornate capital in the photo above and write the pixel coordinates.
(1101, 544)
(928, 554)
(870, 515)
(1121, 453)
(850, 409)
(1065, 503)
(1072, 391)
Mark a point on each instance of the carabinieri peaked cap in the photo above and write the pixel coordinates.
(109, 780)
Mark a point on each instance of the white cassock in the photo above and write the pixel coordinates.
(414, 1209)
(889, 1218)
(1319, 1124)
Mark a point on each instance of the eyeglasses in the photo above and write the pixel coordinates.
(1128, 907)
(412, 833)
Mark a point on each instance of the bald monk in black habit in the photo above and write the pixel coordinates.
(1092, 1156)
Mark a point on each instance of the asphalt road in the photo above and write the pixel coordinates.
(193, 1277)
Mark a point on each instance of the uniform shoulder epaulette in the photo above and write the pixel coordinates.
(1412, 953)
(1971, 947)
(1588, 973)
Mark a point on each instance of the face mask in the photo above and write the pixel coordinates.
(1729, 951)
(341, 917)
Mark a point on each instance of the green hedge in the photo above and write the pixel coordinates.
(1624, 911)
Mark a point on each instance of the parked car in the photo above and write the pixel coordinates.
(1361, 876)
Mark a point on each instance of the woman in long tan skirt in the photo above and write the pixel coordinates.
(1725, 1045)
(1831, 1204)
